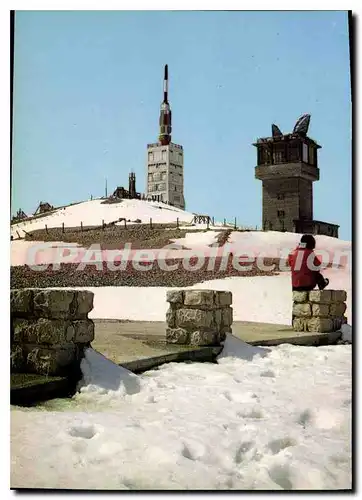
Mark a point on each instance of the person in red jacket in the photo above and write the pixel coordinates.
(303, 263)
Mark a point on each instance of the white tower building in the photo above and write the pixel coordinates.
(165, 161)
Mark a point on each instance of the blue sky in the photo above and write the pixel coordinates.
(88, 87)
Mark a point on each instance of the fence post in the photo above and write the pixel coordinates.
(125, 223)
(177, 222)
(224, 222)
(235, 223)
(46, 228)
(208, 220)
(18, 234)
(150, 222)
(213, 221)
(81, 226)
(62, 227)
(102, 224)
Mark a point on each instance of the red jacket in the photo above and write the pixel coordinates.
(301, 274)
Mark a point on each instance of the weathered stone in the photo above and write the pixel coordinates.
(176, 336)
(300, 297)
(338, 322)
(43, 331)
(21, 303)
(171, 317)
(338, 309)
(300, 324)
(204, 338)
(47, 361)
(175, 296)
(83, 331)
(302, 310)
(339, 295)
(227, 316)
(17, 358)
(223, 298)
(322, 296)
(218, 319)
(192, 319)
(24, 330)
(199, 298)
(53, 304)
(321, 310)
(83, 304)
(320, 325)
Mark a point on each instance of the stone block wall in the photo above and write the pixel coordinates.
(49, 329)
(198, 317)
(319, 310)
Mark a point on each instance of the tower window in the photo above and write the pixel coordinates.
(305, 153)
(279, 153)
(281, 214)
(294, 152)
(311, 155)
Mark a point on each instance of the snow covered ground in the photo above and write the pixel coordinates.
(198, 240)
(275, 419)
(269, 244)
(91, 213)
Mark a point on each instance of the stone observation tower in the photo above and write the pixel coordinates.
(165, 160)
(287, 165)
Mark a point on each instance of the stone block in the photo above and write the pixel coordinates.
(302, 310)
(193, 319)
(43, 331)
(175, 296)
(48, 361)
(204, 338)
(300, 324)
(321, 310)
(83, 331)
(171, 317)
(53, 304)
(83, 304)
(300, 297)
(338, 322)
(338, 309)
(320, 296)
(202, 298)
(339, 295)
(223, 298)
(24, 330)
(320, 325)
(227, 316)
(17, 358)
(21, 303)
(176, 336)
(218, 319)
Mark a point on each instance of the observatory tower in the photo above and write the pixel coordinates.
(165, 160)
(287, 164)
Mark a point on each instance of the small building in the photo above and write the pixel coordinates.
(287, 165)
(43, 208)
(130, 194)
